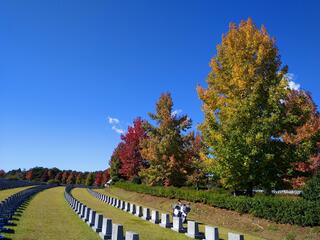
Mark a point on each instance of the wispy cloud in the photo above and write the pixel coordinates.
(176, 112)
(112, 120)
(115, 122)
(291, 81)
(117, 130)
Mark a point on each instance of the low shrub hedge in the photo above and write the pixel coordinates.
(293, 211)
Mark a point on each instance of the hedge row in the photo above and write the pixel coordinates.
(281, 210)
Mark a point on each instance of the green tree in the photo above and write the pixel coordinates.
(115, 163)
(79, 178)
(244, 110)
(312, 189)
(90, 179)
(166, 147)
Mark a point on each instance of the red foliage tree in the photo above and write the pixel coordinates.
(29, 175)
(305, 136)
(71, 178)
(98, 179)
(64, 177)
(2, 173)
(130, 156)
(105, 176)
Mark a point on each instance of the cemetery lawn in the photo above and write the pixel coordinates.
(47, 216)
(8, 192)
(228, 221)
(146, 230)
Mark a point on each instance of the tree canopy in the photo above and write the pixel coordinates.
(244, 109)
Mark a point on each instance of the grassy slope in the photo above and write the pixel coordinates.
(8, 192)
(225, 219)
(165, 207)
(146, 230)
(48, 217)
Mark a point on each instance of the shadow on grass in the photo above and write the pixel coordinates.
(13, 220)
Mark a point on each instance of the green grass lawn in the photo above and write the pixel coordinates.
(8, 192)
(48, 217)
(146, 230)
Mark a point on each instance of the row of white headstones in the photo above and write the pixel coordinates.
(192, 230)
(100, 224)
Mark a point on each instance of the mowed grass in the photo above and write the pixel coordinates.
(146, 229)
(8, 192)
(164, 206)
(48, 217)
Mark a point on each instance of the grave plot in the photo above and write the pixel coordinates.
(103, 226)
(8, 184)
(192, 229)
(49, 217)
(13, 205)
(164, 206)
(8, 192)
(146, 229)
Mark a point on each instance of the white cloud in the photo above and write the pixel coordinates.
(112, 120)
(118, 130)
(291, 81)
(176, 112)
(294, 86)
(290, 76)
(116, 126)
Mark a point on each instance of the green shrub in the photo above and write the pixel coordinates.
(282, 210)
(136, 180)
(53, 181)
(312, 190)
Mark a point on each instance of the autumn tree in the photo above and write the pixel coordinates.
(2, 173)
(71, 178)
(64, 177)
(53, 172)
(304, 135)
(105, 176)
(195, 165)
(244, 110)
(165, 146)
(130, 156)
(98, 179)
(29, 175)
(58, 177)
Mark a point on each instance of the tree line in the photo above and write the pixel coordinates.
(55, 175)
(257, 132)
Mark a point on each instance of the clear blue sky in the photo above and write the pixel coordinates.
(66, 66)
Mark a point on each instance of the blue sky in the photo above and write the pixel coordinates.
(66, 66)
